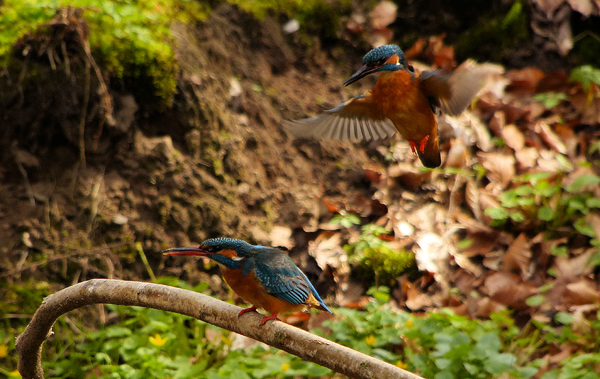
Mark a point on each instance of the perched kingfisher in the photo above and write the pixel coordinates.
(401, 100)
(266, 277)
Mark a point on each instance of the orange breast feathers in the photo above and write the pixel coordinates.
(398, 96)
(248, 288)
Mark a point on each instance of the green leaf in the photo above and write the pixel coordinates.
(499, 364)
(526, 372)
(535, 300)
(586, 75)
(496, 213)
(583, 227)
(443, 375)
(564, 318)
(545, 213)
(490, 342)
(116, 331)
(559, 250)
(346, 220)
(464, 244)
(517, 216)
(593, 202)
(582, 181)
(550, 99)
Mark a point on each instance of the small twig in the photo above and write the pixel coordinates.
(63, 47)
(95, 197)
(278, 334)
(25, 178)
(140, 250)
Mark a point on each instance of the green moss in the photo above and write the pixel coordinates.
(375, 260)
(130, 39)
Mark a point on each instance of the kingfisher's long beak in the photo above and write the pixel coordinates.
(187, 251)
(361, 73)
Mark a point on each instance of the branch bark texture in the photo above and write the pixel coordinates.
(278, 334)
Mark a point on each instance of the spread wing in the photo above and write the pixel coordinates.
(281, 278)
(454, 91)
(354, 120)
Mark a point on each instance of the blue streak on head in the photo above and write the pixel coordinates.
(214, 245)
(379, 55)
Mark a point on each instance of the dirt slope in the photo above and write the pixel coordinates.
(215, 164)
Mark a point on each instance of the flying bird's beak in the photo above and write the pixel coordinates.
(187, 251)
(361, 73)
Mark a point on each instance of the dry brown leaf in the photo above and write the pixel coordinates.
(548, 6)
(536, 110)
(524, 81)
(408, 175)
(457, 155)
(508, 289)
(482, 134)
(374, 174)
(548, 162)
(432, 253)
(327, 251)
(589, 107)
(487, 200)
(568, 267)
(550, 137)
(281, 236)
(481, 243)
(500, 168)
(556, 81)
(518, 256)
(513, 137)
(383, 14)
(527, 157)
(416, 299)
(487, 306)
(493, 260)
(497, 122)
(581, 292)
(585, 7)
(472, 198)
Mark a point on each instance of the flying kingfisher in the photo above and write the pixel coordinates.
(266, 277)
(401, 101)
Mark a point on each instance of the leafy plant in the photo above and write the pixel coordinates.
(553, 204)
(347, 220)
(550, 99)
(586, 75)
(372, 255)
(439, 345)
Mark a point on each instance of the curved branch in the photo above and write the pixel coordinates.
(278, 334)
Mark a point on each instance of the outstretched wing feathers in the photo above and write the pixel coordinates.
(353, 120)
(454, 90)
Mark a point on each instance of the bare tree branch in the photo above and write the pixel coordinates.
(278, 334)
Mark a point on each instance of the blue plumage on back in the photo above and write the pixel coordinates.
(281, 278)
(264, 276)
